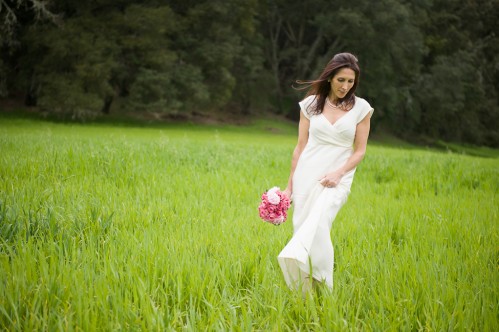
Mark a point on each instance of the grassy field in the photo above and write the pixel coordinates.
(127, 228)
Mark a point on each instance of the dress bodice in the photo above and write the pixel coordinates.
(329, 145)
(342, 132)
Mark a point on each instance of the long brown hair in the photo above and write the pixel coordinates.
(321, 86)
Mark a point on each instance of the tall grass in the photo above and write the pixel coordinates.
(107, 228)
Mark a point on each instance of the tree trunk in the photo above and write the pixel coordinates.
(107, 104)
(31, 96)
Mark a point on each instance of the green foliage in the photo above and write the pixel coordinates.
(213, 37)
(107, 228)
(429, 68)
(146, 59)
(152, 91)
(452, 86)
(390, 58)
(456, 92)
(73, 76)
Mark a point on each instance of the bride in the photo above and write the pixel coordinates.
(332, 138)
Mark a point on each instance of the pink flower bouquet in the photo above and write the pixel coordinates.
(274, 206)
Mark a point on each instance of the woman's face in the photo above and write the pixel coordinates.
(341, 83)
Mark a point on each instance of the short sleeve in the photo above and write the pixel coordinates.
(365, 110)
(306, 106)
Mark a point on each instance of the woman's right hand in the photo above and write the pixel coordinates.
(287, 192)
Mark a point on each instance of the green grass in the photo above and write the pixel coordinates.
(109, 228)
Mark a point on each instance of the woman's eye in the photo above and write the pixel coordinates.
(341, 80)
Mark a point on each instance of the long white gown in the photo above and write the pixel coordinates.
(310, 251)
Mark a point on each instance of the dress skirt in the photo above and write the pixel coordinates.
(310, 250)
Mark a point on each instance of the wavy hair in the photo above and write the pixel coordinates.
(321, 86)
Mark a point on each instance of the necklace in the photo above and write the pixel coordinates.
(330, 103)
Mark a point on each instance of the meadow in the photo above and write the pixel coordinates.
(136, 228)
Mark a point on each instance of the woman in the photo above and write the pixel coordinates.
(332, 138)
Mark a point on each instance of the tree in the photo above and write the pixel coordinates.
(14, 17)
(430, 67)
(457, 92)
(12, 12)
(294, 40)
(99, 55)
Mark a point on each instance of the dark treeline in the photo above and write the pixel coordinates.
(429, 67)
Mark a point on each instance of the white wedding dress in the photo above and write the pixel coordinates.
(310, 251)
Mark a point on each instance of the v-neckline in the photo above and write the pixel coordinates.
(335, 122)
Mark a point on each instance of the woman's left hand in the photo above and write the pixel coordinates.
(331, 180)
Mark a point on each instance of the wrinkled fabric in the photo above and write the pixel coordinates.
(310, 251)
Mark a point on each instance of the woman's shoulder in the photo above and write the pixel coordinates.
(361, 102)
(306, 105)
(363, 108)
(307, 101)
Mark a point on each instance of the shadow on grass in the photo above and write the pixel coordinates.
(263, 124)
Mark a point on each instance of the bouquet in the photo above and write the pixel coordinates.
(274, 206)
